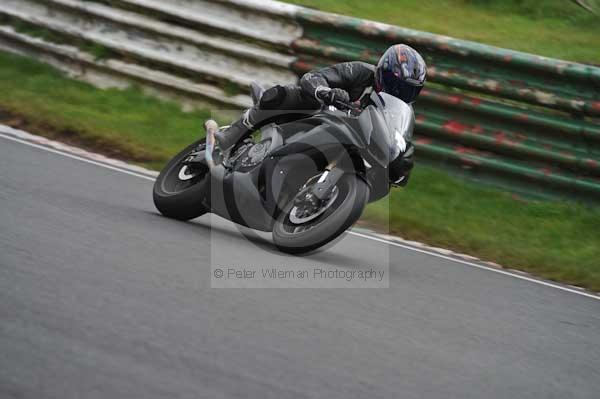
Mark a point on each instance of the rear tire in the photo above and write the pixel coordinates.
(177, 199)
(344, 212)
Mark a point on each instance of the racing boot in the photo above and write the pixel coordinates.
(238, 130)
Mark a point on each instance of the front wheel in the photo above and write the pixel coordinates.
(304, 225)
(180, 188)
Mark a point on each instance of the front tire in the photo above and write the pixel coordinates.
(292, 236)
(178, 198)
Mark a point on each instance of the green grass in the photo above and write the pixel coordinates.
(554, 28)
(125, 122)
(553, 240)
(559, 241)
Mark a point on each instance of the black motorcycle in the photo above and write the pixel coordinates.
(306, 179)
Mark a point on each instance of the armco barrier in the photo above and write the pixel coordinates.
(527, 123)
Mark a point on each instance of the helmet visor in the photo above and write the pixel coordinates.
(405, 90)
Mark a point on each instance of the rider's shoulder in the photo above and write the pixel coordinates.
(355, 67)
(359, 64)
(364, 65)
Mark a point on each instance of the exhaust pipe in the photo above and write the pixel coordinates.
(211, 128)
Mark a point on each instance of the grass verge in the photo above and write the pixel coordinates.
(553, 28)
(555, 240)
(123, 123)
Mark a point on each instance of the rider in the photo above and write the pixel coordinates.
(400, 72)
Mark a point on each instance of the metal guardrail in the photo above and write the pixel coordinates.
(527, 123)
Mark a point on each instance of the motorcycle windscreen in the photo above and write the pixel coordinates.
(400, 120)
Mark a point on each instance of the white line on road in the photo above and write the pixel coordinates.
(77, 157)
(8, 134)
(478, 266)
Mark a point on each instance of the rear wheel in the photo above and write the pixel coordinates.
(306, 224)
(181, 187)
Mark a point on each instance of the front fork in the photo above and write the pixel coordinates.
(328, 180)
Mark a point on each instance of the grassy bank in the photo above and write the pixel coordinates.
(554, 28)
(123, 123)
(553, 240)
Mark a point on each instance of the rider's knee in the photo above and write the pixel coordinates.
(272, 98)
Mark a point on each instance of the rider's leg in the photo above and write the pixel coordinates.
(237, 131)
(275, 102)
(251, 118)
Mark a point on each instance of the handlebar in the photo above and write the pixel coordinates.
(344, 106)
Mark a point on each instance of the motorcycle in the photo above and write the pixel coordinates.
(307, 179)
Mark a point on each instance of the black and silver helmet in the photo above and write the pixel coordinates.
(401, 72)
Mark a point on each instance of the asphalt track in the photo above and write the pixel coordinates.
(100, 297)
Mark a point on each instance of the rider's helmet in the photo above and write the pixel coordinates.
(401, 73)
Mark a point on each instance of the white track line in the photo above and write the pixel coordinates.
(478, 266)
(79, 158)
(357, 234)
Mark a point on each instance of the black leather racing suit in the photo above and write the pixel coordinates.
(354, 77)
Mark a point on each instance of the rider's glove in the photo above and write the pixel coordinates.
(330, 96)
